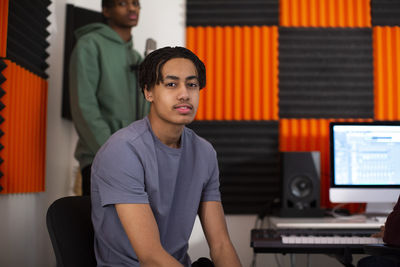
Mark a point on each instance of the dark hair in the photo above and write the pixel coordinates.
(107, 3)
(150, 69)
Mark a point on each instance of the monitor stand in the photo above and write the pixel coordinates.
(378, 209)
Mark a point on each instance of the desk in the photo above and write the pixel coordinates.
(342, 252)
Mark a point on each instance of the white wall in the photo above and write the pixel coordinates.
(24, 239)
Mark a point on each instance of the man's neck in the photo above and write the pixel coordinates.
(124, 33)
(169, 135)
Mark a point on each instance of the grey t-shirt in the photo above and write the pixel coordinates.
(133, 166)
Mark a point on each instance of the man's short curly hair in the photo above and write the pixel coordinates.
(107, 3)
(150, 69)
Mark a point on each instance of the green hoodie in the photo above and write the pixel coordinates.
(103, 88)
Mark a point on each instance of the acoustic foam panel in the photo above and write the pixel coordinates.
(325, 73)
(385, 12)
(28, 50)
(325, 13)
(242, 71)
(76, 17)
(3, 65)
(24, 130)
(386, 43)
(247, 153)
(3, 27)
(232, 12)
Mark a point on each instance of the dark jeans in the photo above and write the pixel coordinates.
(377, 261)
(86, 172)
(203, 262)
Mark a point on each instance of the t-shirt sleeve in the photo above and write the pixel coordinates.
(118, 174)
(211, 189)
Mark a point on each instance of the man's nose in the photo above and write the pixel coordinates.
(183, 93)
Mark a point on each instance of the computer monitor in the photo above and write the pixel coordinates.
(365, 164)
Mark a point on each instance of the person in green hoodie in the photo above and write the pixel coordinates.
(104, 95)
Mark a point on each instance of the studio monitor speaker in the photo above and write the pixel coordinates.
(300, 184)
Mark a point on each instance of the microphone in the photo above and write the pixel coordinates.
(151, 45)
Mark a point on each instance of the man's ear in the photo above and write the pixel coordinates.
(148, 94)
(106, 12)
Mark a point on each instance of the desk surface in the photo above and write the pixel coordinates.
(327, 223)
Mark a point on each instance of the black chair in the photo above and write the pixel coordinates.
(71, 231)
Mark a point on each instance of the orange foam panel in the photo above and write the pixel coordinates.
(3, 27)
(24, 128)
(242, 71)
(325, 13)
(386, 54)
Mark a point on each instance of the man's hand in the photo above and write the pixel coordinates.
(380, 233)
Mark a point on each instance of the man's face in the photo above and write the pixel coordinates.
(175, 100)
(124, 13)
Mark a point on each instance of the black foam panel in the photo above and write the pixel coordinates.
(76, 17)
(385, 12)
(325, 73)
(26, 36)
(232, 12)
(247, 153)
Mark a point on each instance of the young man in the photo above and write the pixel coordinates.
(103, 89)
(151, 179)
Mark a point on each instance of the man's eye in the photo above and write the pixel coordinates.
(193, 85)
(171, 85)
(122, 3)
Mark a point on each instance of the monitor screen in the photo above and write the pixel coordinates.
(365, 162)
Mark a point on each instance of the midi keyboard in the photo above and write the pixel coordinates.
(312, 240)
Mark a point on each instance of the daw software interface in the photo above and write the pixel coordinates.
(367, 155)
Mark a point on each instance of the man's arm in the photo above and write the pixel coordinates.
(142, 230)
(215, 230)
(391, 231)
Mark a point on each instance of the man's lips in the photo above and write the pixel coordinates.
(132, 16)
(183, 107)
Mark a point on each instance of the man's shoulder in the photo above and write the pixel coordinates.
(91, 29)
(132, 133)
(126, 147)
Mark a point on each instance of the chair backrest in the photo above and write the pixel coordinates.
(71, 231)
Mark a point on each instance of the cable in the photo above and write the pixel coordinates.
(277, 261)
(292, 260)
(354, 217)
(254, 260)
